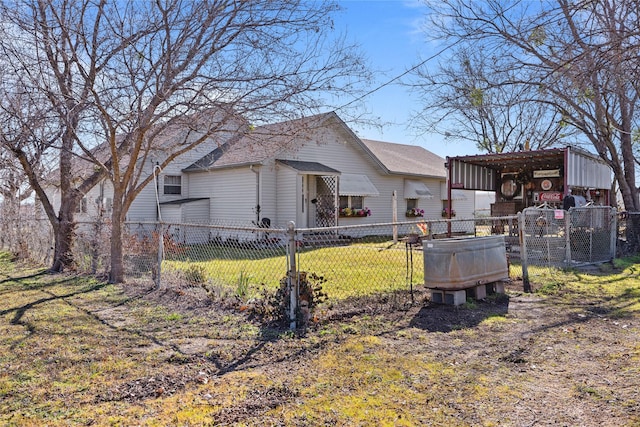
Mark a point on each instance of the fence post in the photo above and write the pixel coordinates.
(394, 216)
(160, 255)
(613, 221)
(293, 276)
(567, 238)
(523, 252)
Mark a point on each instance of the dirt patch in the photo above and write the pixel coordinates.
(564, 358)
(136, 353)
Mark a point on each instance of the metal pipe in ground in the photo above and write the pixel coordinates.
(523, 252)
(293, 276)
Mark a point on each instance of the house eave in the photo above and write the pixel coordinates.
(416, 175)
(230, 166)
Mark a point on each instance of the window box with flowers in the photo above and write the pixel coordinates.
(445, 213)
(351, 212)
(414, 213)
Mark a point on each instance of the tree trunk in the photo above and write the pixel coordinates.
(64, 234)
(116, 274)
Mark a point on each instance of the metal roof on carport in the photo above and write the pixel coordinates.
(479, 172)
(540, 159)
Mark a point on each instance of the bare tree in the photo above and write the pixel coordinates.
(581, 56)
(13, 192)
(474, 97)
(123, 76)
(44, 104)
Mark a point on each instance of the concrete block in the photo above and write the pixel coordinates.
(480, 292)
(455, 297)
(499, 286)
(437, 296)
(448, 297)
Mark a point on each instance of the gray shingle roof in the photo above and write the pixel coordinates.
(407, 159)
(262, 143)
(309, 167)
(276, 140)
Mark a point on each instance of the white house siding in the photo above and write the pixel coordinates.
(232, 193)
(144, 206)
(432, 206)
(286, 195)
(268, 192)
(465, 208)
(339, 151)
(196, 212)
(171, 213)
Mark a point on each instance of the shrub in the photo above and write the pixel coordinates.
(195, 274)
(276, 305)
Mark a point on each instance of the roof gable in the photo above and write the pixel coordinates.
(267, 142)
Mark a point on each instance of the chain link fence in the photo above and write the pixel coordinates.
(558, 238)
(348, 262)
(628, 226)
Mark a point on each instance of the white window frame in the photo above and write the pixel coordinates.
(82, 206)
(350, 202)
(172, 185)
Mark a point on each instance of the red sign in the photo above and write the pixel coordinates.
(551, 196)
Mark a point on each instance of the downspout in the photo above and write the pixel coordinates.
(157, 170)
(101, 203)
(257, 172)
(565, 187)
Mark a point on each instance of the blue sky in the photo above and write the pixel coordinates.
(391, 34)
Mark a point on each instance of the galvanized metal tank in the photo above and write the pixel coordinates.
(463, 263)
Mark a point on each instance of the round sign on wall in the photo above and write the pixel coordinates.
(546, 185)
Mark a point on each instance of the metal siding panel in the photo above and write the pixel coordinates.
(472, 177)
(587, 172)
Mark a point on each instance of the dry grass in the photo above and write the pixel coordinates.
(74, 351)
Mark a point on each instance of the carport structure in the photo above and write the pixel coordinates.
(532, 178)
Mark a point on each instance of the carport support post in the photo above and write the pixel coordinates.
(293, 277)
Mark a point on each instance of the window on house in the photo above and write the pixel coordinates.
(172, 184)
(82, 206)
(445, 209)
(353, 202)
(412, 204)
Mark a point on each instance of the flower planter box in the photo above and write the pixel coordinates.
(354, 213)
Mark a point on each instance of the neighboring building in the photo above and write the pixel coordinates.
(534, 178)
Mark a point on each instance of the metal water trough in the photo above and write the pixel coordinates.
(463, 263)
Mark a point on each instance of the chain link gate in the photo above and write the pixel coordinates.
(562, 239)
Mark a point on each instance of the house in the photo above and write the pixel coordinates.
(170, 184)
(315, 172)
